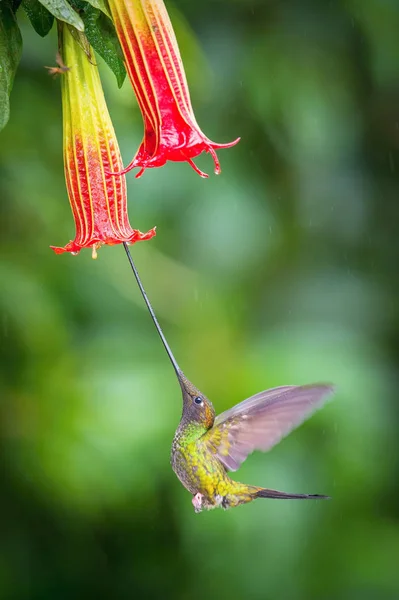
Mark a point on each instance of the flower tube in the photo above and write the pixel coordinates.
(156, 71)
(98, 200)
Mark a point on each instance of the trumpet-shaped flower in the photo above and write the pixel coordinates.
(156, 71)
(98, 200)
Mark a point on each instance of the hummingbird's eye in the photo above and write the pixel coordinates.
(198, 400)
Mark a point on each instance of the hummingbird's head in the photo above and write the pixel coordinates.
(196, 407)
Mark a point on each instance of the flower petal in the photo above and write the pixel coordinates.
(98, 200)
(156, 71)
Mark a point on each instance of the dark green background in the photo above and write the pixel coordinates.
(282, 270)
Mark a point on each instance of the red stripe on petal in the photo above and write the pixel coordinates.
(98, 200)
(156, 72)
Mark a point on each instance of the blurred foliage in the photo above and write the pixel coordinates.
(282, 270)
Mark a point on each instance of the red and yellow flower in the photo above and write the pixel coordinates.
(98, 200)
(157, 74)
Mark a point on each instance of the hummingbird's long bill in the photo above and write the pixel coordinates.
(151, 311)
(205, 447)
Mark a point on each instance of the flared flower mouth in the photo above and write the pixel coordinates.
(98, 200)
(156, 71)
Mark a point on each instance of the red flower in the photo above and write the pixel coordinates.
(157, 74)
(91, 151)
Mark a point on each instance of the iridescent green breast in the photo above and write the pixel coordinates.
(198, 469)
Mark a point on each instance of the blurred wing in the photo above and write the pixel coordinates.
(261, 421)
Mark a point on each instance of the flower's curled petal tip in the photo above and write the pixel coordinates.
(132, 165)
(120, 173)
(58, 250)
(140, 173)
(228, 145)
(212, 152)
(196, 169)
(71, 247)
(138, 236)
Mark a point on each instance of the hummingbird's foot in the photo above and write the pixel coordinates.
(197, 502)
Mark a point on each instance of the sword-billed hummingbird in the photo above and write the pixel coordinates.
(205, 447)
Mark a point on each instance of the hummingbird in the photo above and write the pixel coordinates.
(207, 447)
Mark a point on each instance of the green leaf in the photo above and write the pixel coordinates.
(101, 34)
(10, 55)
(39, 16)
(64, 12)
(101, 5)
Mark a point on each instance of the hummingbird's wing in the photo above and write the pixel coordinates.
(261, 421)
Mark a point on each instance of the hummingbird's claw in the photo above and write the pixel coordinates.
(197, 502)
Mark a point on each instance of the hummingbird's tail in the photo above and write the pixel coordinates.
(241, 494)
(265, 493)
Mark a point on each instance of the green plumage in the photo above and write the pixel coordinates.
(205, 448)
